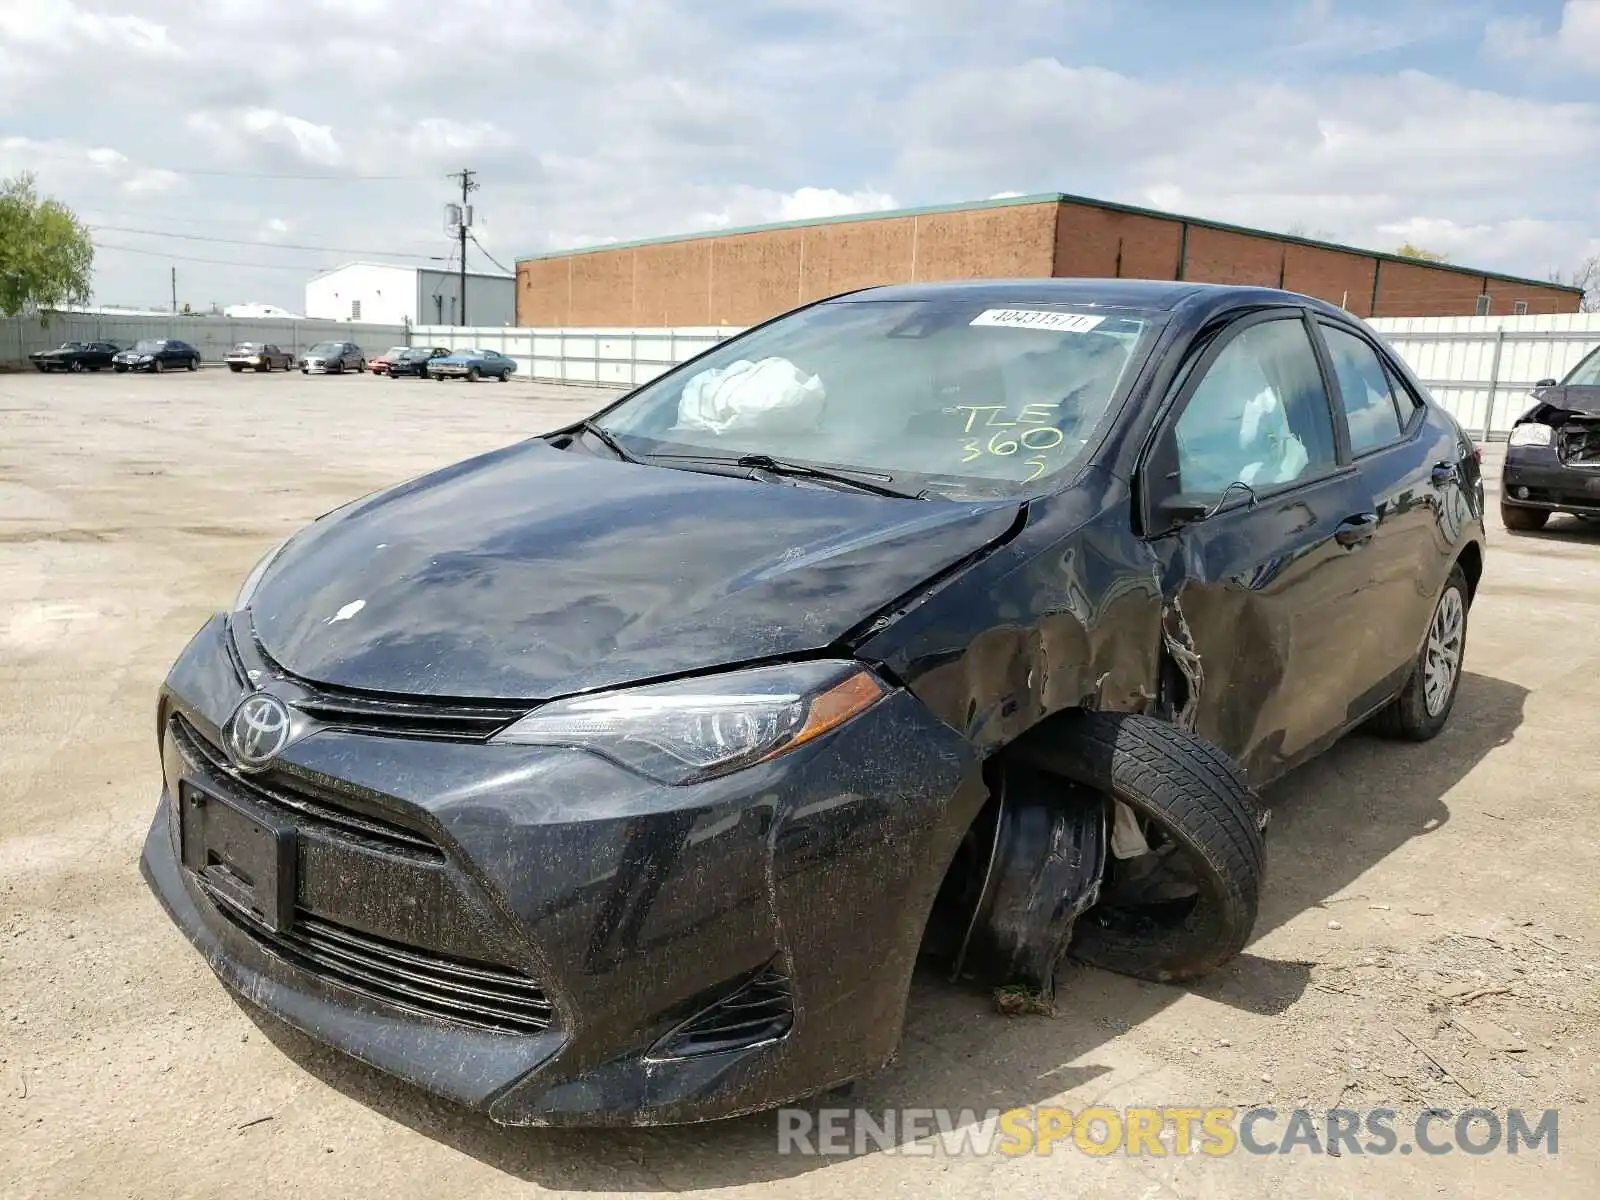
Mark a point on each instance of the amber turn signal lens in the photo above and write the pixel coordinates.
(836, 706)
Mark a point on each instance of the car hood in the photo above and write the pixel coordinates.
(1573, 399)
(531, 573)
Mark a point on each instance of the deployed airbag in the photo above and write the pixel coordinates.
(769, 394)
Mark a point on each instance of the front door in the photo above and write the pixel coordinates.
(1263, 529)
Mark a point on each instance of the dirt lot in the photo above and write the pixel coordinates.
(1424, 902)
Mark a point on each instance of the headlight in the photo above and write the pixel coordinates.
(145, 357)
(1531, 434)
(253, 580)
(694, 729)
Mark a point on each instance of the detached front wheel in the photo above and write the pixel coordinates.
(1183, 879)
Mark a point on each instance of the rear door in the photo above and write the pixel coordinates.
(1407, 478)
(1262, 526)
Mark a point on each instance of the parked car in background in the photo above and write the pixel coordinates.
(381, 364)
(414, 360)
(622, 775)
(157, 354)
(74, 356)
(1553, 456)
(333, 358)
(258, 356)
(472, 365)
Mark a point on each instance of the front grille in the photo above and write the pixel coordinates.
(308, 802)
(758, 1012)
(467, 992)
(362, 712)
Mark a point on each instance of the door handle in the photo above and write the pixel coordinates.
(1356, 531)
(1443, 473)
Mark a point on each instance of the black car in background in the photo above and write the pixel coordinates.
(1553, 456)
(74, 356)
(157, 354)
(333, 358)
(258, 356)
(414, 360)
(623, 774)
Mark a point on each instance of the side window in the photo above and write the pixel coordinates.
(1404, 398)
(1259, 416)
(1364, 387)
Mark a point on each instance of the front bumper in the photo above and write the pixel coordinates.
(636, 911)
(1552, 485)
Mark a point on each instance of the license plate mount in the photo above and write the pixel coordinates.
(244, 855)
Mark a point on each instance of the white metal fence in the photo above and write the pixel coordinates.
(609, 357)
(212, 336)
(1480, 368)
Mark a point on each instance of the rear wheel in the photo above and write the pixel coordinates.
(1424, 704)
(1523, 520)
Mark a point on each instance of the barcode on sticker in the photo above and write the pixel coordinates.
(1037, 318)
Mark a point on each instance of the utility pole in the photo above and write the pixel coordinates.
(174, 289)
(467, 188)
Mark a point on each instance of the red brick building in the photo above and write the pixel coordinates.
(742, 276)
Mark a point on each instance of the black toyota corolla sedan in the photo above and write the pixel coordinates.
(624, 774)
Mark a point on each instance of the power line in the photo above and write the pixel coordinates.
(489, 256)
(83, 158)
(195, 237)
(215, 262)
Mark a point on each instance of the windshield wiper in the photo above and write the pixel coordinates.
(605, 437)
(860, 480)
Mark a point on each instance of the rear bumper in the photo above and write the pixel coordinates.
(1551, 484)
(634, 907)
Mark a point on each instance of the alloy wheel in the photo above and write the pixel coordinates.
(1443, 654)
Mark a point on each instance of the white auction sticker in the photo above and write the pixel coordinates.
(1037, 318)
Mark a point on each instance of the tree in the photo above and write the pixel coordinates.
(1421, 255)
(46, 254)
(1587, 277)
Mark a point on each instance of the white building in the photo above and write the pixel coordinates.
(258, 312)
(383, 294)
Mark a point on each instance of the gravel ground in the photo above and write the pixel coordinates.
(1429, 934)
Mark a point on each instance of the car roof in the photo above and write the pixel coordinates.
(1158, 294)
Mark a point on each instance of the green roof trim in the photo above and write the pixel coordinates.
(1052, 198)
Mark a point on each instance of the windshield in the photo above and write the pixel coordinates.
(969, 398)
(150, 346)
(394, 351)
(326, 348)
(1586, 373)
(73, 346)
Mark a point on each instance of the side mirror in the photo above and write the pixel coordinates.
(1182, 509)
(1545, 383)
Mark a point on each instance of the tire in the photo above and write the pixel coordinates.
(41, 368)
(157, 366)
(1195, 799)
(238, 370)
(119, 369)
(504, 375)
(472, 374)
(75, 367)
(1412, 716)
(1523, 520)
(194, 364)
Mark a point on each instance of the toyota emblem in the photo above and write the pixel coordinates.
(258, 731)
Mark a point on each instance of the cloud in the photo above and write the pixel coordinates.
(236, 133)
(1575, 42)
(596, 122)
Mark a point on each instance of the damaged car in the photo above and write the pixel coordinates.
(1553, 455)
(625, 774)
